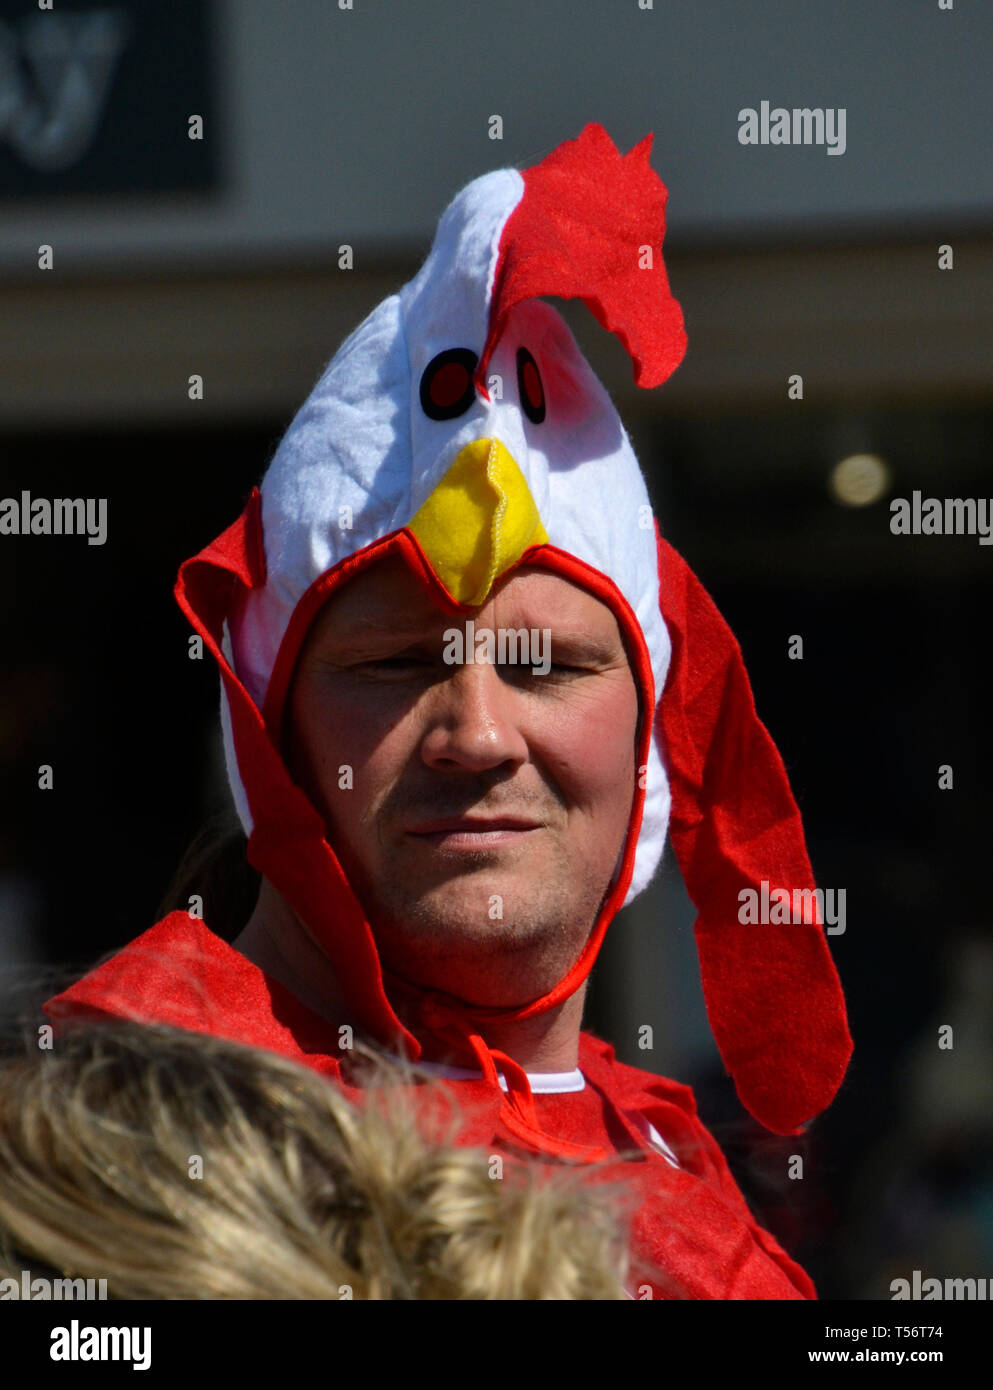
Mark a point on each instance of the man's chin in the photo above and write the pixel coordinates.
(426, 928)
(474, 953)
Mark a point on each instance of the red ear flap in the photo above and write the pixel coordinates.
(773, 995)
(207, 581)
(288, 842)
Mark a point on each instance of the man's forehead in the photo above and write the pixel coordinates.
(386, 598)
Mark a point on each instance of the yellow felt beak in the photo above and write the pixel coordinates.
(478, 522)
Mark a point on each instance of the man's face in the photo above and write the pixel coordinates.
(489, 803)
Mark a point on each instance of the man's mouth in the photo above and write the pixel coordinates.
(473, 832)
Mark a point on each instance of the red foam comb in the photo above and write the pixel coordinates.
(590, 226)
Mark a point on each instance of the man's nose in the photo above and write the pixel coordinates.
(474, 721)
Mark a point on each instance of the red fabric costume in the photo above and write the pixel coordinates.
(693, 1235)
(415, 434)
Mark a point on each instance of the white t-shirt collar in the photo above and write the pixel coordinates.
(541, 1082)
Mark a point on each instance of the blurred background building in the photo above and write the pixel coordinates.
(332, 126)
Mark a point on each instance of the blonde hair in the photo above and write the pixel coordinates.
(303, 1195)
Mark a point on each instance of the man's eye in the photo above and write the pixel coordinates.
(394, 663)
(565, 673)
(537, 671)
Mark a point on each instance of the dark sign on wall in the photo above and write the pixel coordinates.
(98, 96)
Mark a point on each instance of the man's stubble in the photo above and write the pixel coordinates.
(526, 937)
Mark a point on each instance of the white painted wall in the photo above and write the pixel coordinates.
(359, 125)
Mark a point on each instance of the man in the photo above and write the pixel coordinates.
(492, 804)
(464, 683)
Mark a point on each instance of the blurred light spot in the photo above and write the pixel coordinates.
(859, 480)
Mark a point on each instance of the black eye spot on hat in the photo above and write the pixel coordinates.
(446, 384)
(529, 386)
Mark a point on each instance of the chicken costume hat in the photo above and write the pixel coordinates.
(460, 427)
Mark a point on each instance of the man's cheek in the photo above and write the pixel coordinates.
(588, 760)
